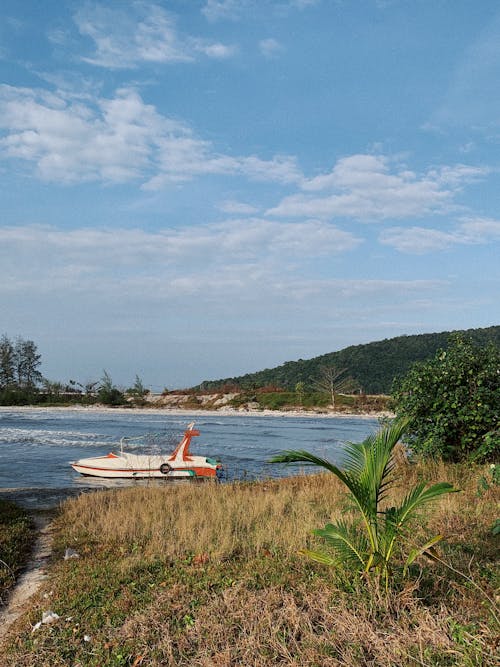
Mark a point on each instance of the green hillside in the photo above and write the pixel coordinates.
(373, 365)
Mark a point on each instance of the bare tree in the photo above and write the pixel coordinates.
(332, 380)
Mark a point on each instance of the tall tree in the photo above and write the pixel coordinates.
(27, 363)
(7, 362)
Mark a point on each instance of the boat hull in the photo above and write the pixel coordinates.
(179, 464)
(130, 466)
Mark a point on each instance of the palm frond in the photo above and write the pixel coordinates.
(302, 456)
(425, 549)
(349, 544)
(418, 497)
(319, 557)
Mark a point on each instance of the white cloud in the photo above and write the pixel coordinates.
(420, 240)
(232, 266)
(141, 33)
(116, 140)
(482, 230)
(255, 238)
(417, 240)
(215, 50)
(237, 208)
(270, 47)
(216, 10)
(365, 187)
(245, 255)
(235, 10)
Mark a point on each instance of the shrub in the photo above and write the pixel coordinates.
(452, 402)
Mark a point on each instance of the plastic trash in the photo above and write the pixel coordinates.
(71, 553)
(48, 617)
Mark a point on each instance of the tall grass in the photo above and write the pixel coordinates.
(221, 520)
(209, 576)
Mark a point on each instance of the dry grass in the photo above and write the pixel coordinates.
(221, 520)
(209, 576)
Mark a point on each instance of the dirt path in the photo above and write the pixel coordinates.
(32, 578)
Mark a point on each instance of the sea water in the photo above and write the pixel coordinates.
(37, 445)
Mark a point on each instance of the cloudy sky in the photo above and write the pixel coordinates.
(194, 189)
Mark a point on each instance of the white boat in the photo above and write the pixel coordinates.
(179, 464)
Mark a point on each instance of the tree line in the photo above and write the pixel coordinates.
(22, 383)
(19, 369)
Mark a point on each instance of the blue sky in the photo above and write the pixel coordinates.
(197, 189)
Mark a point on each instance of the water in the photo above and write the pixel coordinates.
(36, 445)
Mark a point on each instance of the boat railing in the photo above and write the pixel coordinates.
(156, 442)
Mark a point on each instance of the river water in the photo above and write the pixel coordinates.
(36, 445)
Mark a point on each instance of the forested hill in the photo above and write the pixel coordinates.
(373, 365)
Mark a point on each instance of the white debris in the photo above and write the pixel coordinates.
(48, 617)
(86, 638)
(71, 553)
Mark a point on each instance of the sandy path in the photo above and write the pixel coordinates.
(32, 578)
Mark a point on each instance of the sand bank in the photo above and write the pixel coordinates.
(221, 412)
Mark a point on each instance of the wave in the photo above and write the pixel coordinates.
(21, 436)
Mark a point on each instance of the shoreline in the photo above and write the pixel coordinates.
(221, 412)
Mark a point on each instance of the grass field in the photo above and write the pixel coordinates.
(16, 536)
(210, 575)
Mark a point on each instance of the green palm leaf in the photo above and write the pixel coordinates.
(349, 544)
(368, 474)
(425, 549)
(418, 497)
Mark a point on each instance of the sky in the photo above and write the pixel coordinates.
(197, 189)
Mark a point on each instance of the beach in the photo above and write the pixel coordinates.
(220, 412)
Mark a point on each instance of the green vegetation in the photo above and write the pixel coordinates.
(368, 474)
(19, 374)
(267, 398)
(374, 366)
(22, 383)
(210, 575)
(16, 536)
(137, 392)
(452, 402)
(366, 370)
(332, 381)
(108, 393)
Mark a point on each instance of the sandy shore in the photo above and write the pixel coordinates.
(221, 412)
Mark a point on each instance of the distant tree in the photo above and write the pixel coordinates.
(108, 393)
(332, 380)
(27, 362)
(299, 390)
(7, 362)
(453, 402)
(138, 391)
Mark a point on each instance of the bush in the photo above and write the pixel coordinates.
(108, 394)
(453, 403)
